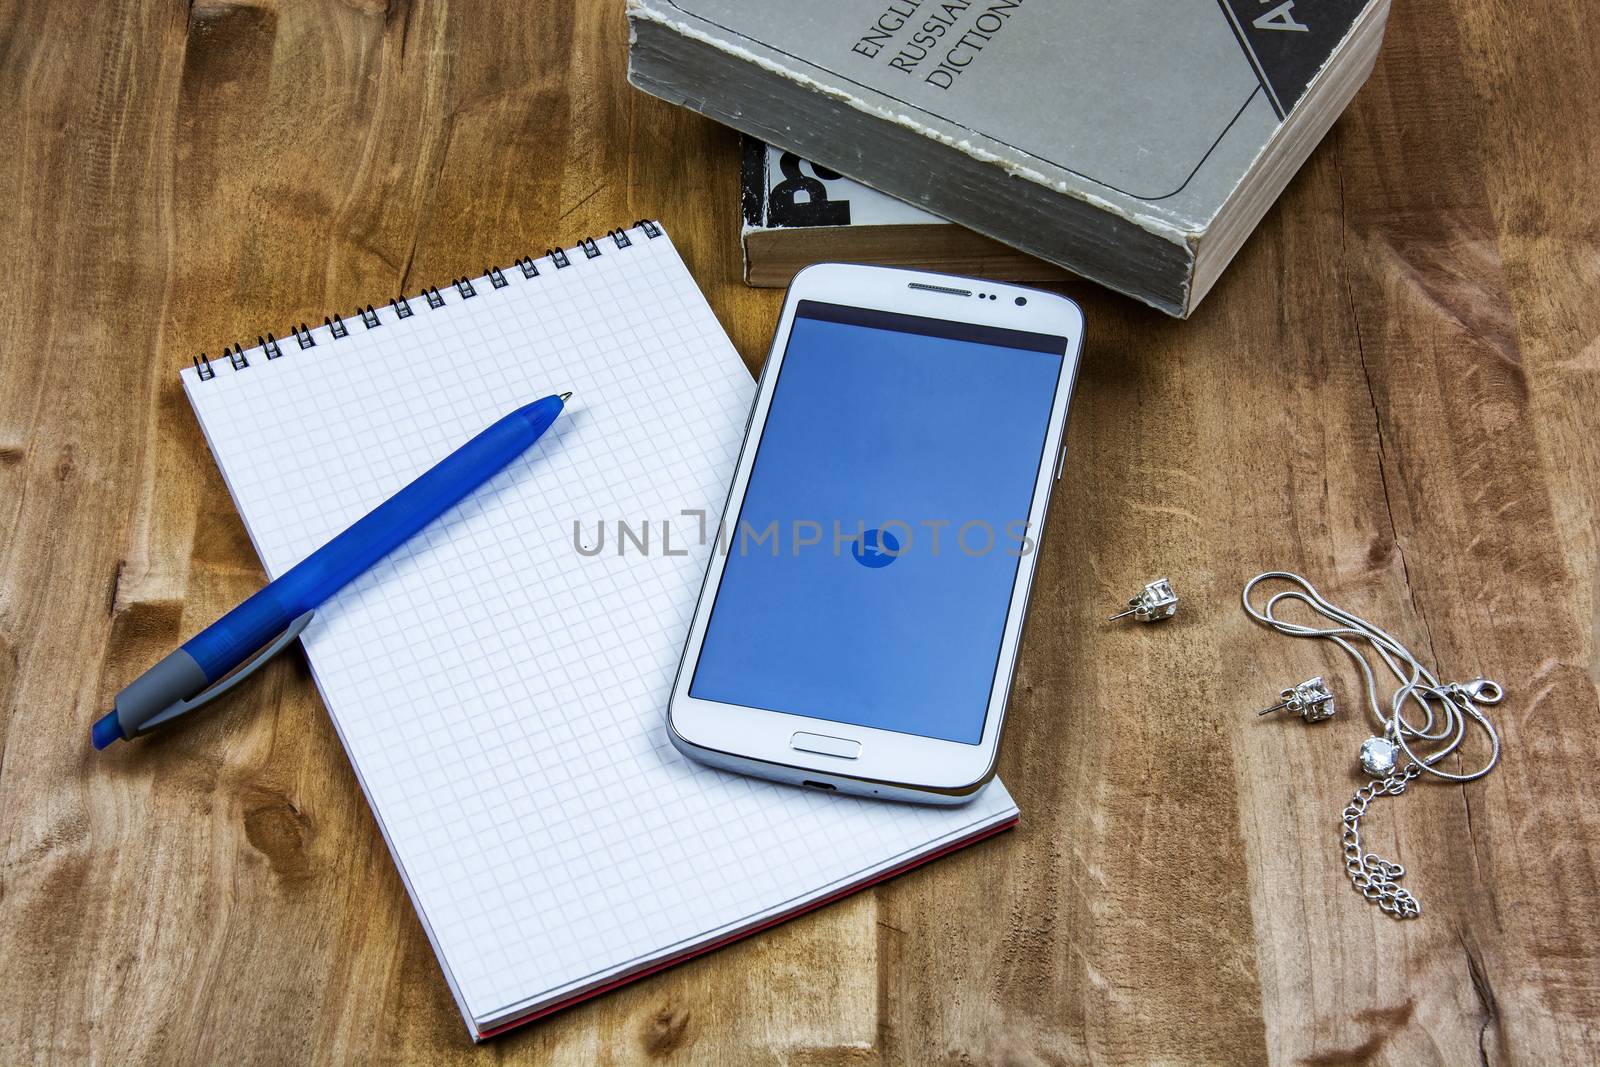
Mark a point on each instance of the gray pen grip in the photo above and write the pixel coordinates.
(176, 678)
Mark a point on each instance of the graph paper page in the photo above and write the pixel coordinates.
(500, 692)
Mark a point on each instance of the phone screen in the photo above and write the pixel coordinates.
(871, 568)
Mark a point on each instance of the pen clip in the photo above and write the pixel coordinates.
(229, 680)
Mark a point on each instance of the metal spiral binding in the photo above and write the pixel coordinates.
(371, 318)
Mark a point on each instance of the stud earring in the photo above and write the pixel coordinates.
(1312, 700)
(1155, 602)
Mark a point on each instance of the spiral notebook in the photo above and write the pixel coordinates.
(498, 685)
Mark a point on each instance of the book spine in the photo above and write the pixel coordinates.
(753, 180)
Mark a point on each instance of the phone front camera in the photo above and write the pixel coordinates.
(1021, 300)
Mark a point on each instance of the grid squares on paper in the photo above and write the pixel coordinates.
(500, 694)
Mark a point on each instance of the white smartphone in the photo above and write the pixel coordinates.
(861, 612)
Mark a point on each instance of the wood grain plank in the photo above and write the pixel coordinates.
(1534, 81)
(1476, 510)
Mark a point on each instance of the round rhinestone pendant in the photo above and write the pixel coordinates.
(1379, 756)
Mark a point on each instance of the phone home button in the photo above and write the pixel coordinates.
(842, 747)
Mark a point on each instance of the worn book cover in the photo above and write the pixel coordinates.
(1116, 139)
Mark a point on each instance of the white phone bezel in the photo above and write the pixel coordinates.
(757, 740)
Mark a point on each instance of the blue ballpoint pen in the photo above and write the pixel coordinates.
(224, 653)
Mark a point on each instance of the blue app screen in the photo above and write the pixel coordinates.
(870, 570)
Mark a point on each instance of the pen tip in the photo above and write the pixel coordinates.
(566, 397)
(105, 731)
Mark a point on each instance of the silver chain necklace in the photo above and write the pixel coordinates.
(1444, 711)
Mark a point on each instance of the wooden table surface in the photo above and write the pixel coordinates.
(1393, 390)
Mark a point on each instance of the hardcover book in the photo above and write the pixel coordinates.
(796, 213)
(1135, 143)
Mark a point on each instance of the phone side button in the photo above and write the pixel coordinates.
(842, 747)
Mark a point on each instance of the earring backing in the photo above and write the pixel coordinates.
(1312, 700)
(1155, 602)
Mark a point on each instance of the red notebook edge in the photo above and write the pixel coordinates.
(712, 946)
